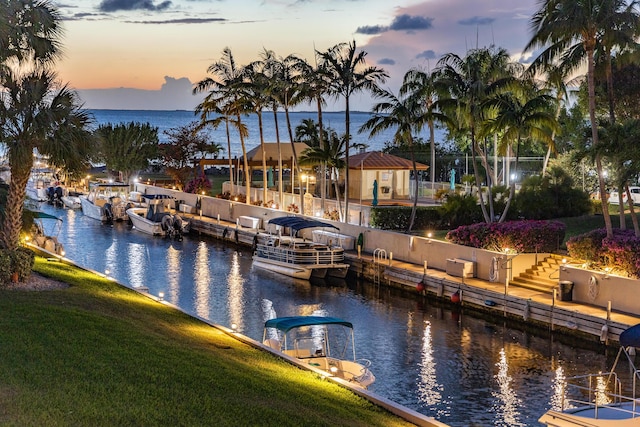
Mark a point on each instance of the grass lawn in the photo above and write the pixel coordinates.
(97, 354)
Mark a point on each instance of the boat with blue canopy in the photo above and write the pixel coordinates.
(605, 399)
(298, 257)
(325, 343)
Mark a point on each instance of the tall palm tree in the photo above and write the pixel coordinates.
(404, 114)
(421, 85)
(258, 97)
(465, 85)
(214, 111)
(570, 31)
(315, 86)
(349, 75)
(524, 113)
(35, 113)
(228, 81)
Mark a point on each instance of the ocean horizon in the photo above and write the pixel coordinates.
(166, 120)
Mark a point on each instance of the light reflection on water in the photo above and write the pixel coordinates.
(461, 370)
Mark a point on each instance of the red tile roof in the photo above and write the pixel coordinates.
(378, 160)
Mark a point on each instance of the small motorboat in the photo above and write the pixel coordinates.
(156, 218)
(46, 237)
(300, 259)
(325, 343)
(602, 399)
(107, 202)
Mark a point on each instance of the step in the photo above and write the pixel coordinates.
(545, 281)
(534, 286)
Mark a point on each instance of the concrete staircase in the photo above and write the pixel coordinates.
(542, 277)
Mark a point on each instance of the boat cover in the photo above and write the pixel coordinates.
(157, 196)
(44, 215)
(630, 337)
(298, 223)
(285, 324)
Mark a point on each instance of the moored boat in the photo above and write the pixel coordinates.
(602, 399)
(106, 202)
(156, 218)
(300, 259)
(325, 343)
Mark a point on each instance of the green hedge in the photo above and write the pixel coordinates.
(397, 217)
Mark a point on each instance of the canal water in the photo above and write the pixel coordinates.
(464, 371)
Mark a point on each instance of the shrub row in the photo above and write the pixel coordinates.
(621, 252)
(520, 236)
(397, 217)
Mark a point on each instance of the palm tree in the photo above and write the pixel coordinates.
(524, 113)
(403, 114)
(421, 85)
(215, 110)
(349, 74)
(570, 32)
(258, 97)
(330, 155)
(315, 86)
(229, 86)
(465, 85)
(35, 114)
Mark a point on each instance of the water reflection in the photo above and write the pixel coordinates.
(558, 399)
(508, 410)
(202, 280)
(429, 391)
(432, 359)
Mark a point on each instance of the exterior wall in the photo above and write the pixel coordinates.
(621, 292)
(600, 289)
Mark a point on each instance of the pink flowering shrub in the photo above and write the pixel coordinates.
(519, 236)
(621, 252)
(198, 185)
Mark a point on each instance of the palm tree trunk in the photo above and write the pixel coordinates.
(323, 165)
(295, 158)
(230, 159)
(594, 136)
(432, 143)
(12, 224)
(264, 160)
(476, 174)
(347, 122)
(280, 184)
(412, 218)
(632, 211)
(247, 172)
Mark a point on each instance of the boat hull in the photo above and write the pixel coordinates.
(301, 261)
(142, 224)
(92, 210)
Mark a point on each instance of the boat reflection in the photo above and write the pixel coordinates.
(508, 407)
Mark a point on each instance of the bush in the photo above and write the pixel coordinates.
(459, 209)
(520, 236)
(397, 218)
(620, 253)
(551, 197)
(19, 261)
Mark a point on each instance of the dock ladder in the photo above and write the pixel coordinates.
(379, 257)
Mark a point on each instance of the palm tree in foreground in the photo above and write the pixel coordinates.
(349, 75)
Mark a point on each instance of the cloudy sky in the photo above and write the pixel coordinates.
(146, 54)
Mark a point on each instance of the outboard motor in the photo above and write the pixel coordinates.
(57, 197)
(177, 227)
(167, 225)
(108, 213)
(51, 193)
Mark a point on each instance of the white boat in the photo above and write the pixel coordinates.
(156, 218)
(107, 202)
(46, 237)
(72, 201)
(325, 343)
(300, 259)
(602, 399)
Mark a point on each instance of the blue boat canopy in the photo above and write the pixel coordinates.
(298, 223)
(630, 337)
(157, 196)
(285, 324)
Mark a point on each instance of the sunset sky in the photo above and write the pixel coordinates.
(146, 54)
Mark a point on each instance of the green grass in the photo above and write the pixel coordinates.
(99, 354)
